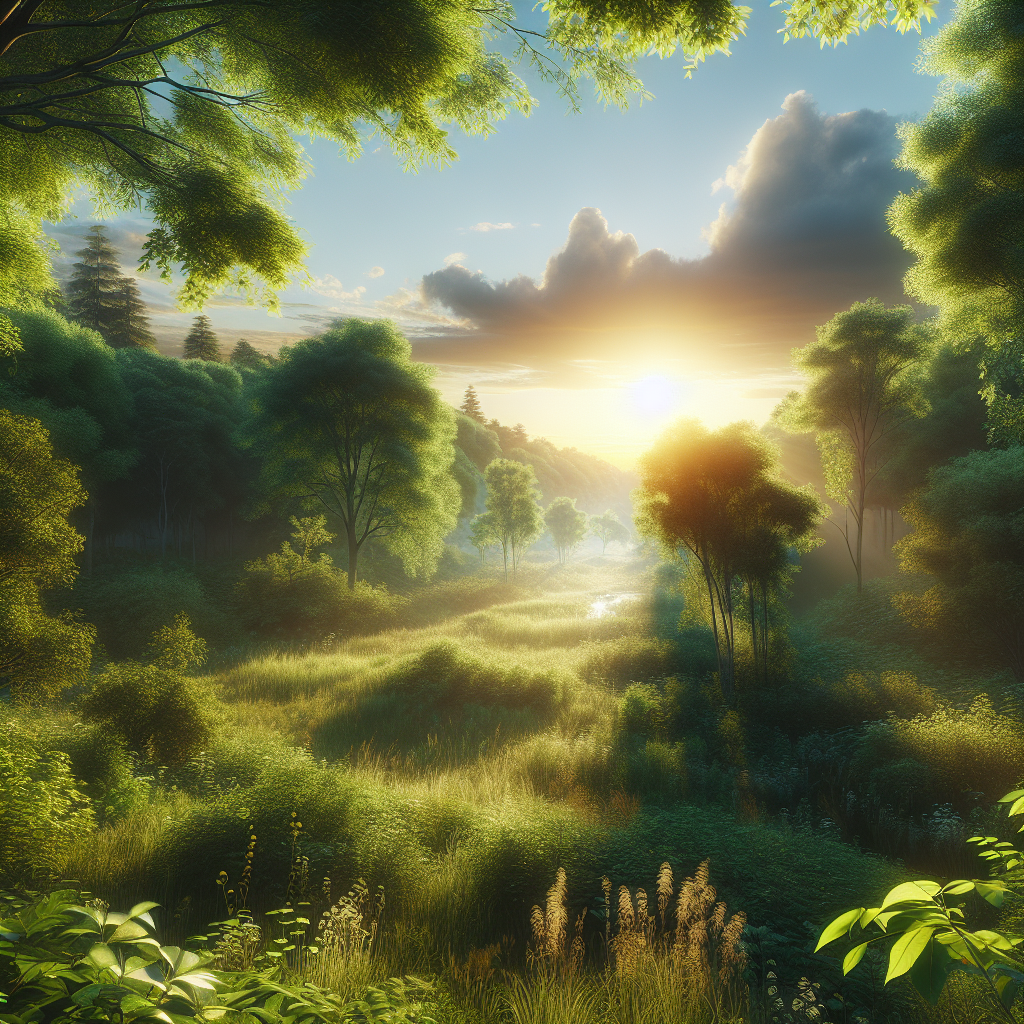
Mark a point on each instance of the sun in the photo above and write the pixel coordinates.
(656, 395)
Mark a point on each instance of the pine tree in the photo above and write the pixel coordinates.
(129, 322)
(201, 342)
(471, 405)
(247, 357)
(94, 286)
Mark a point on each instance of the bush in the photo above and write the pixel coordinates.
(156, 710)
(871, 696)
(42, 812)
(294, 596)
(128, 606)
(640, 709)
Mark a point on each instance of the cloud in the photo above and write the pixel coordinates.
(454, 257)
(486, 225)
(332, 288)
(375, 272)
(803, 237)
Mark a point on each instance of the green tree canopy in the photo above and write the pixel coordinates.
(863, 383)
(40, 654)
(969, 535)
(608, 530)
(191, 108)
(348, 423)
(482, 534)
(965, 224)
(245, 356)
(201, 342)
(512, 494)
(567, 526)
(714, 498)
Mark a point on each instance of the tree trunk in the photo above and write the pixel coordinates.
(353, 556)
(90, 531)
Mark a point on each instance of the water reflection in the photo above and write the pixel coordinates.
(606, 603)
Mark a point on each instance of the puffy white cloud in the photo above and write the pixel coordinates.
(454, 257)
(375, 272)
(332, 288)
(803, 237)
(486, 225)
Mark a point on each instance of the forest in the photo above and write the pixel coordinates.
(326, 700)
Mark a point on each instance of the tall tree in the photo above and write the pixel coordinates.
(965, 224)
(348, 423)
(40, 654)
(715, 500)
(482, 534)
(201, 342)
(864, 382)
(567, 526)
(129, 321)
(512, 504)
(608, 530)
(969, 536)
(92, 292)
(471, 405)
(191, 108)
(245, 356)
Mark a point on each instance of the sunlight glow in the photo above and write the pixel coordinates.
(656, 396)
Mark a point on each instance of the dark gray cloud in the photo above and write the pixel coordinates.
(803, 237)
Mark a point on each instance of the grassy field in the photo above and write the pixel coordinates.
(504, 753)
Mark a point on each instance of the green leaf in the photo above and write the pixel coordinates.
(840, 926)
(854, 957)
(929, 971)
(991, 892)
(907, 948)
(958, 888)
(910, 892)
(103, 957)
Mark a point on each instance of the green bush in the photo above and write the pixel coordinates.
(294, 596)
(128, 605)
(640, 709)
(42, 811)
(629, 659)
(157, 711)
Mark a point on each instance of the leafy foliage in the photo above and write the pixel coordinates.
(201, 342)
(40, 654)
(348, 423)
(567, 526)
(608, 530)
(515, 516)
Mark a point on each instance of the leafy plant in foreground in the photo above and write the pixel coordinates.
(932, 937)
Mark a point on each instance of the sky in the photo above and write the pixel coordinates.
(595, 275)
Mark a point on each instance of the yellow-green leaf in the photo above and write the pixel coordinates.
(908, 947)
(840, 926)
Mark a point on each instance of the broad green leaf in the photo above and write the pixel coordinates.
(103, 956)
(992, 892)
(128, 932)
(911, 891)
(907, 948)
(854, 957)
(1017, 794)
(150, 974)
(958, 887)
(929, 971)
(142, 908)
(840, 926)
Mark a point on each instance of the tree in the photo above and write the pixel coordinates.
(186, 414)
(864, 383)
(92, 292)
(247, 357)
(482, 534)
(566, 525)
(512, 495)
(471, 405)
(69, 378)
(969, 535)
(129, 322)
(965, 224)
(190, 108)
(40, 654)
(608, 530)
(201, 342)
(714, 499)
(347, 422)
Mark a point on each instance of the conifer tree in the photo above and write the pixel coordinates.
(201, 342)
(129, 326)
(471, 405)
(93, 289)
(247, 357)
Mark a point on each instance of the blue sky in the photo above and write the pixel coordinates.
(375, 231)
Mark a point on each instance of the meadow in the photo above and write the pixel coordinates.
(535, 804)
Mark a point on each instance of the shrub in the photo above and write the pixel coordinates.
(128, 606)
(976, 749)
(865, 696)
(640, 709)
(293, 595)
(42, 812)
(157, 711)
